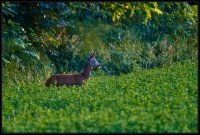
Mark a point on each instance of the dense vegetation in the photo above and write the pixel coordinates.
(148, 76)
(41, 38)
(159, 100)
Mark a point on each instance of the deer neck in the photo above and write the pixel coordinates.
(86, 72)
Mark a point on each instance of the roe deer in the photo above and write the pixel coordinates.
(74, 79)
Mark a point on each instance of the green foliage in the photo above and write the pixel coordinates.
(140, 8)
(125, 35)
(18, 52)
(132, 103)
(18, 73)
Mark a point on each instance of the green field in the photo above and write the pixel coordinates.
(161, 100)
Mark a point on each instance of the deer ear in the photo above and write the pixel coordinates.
(88, 55)
(94, 53)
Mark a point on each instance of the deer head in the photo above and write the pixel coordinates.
(91, 61)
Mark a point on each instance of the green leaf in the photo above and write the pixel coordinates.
(113, 6)
(113, 17)
(6, 61)
(158, 11)
(31, 54)
(20, 43)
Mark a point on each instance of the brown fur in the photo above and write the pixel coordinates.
(64, 79)
(69, 79)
